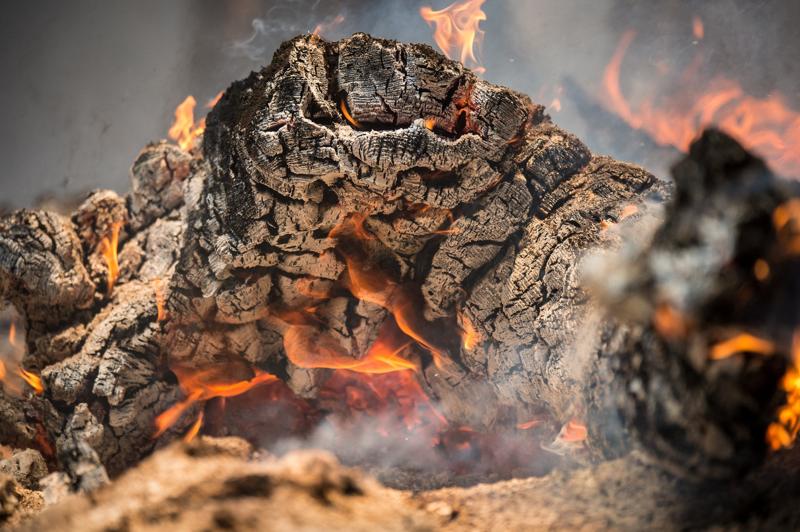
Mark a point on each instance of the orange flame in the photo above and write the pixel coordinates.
(786, 219)
(470, 337)
(457, 30)
(12, 334)
(765, 125)
(783, 432)
(202, 385)
(195, 429)
(184, 130)
(109, 247)
(346, 113)
(741, 343)
(327, 26)
(529, 424)
(697, 28)
(308, 348)
(33, 380)
(669, 323)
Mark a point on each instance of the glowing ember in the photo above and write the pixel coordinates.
(184, 131)
(457, 30)
(742, 343)
(765, 125)
(574, 431)
(783, 432)
(786, 219)
(108, 247)
(761, 270)
(697, 28)
(346, 113)
(669, 322)
(373, 395)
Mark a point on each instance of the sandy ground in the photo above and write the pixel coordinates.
(220, 484)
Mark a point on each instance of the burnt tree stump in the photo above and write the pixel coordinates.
(351, 197)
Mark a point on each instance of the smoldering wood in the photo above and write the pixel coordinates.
(686, 409)
(477, 207)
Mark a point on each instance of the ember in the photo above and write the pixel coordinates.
(108, 247)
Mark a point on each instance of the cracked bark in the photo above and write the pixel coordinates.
(476, 207)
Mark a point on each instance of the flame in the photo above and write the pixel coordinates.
(470, 337)
(457, 30)
(108, 247)
(764, 125)
(697, 28)
(574, 431)
(783, 432)
(33, 380)
(669, 323)
(12, 334)
(194, 429)
(369, 283)
(346, 113)
(529, 424)
(327, 26)
(761, 270)
(202, 385)
(308, 348)
(741, 343)
(184, 130)
(786, 219)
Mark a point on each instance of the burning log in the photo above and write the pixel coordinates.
(711, 316)
(373, 207)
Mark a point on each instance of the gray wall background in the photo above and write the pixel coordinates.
(87, 83)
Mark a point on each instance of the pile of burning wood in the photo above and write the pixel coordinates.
(371, 232)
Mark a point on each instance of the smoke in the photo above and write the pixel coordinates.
(280, 22)
(424, 457)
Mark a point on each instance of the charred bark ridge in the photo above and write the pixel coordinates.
(350, 194)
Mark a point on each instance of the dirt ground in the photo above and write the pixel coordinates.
(221, 484)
